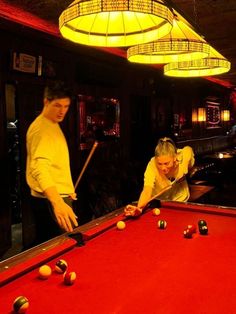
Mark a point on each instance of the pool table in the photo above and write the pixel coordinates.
(141, 269)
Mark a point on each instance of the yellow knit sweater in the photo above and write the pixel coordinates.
(48, 161)
(154, 179)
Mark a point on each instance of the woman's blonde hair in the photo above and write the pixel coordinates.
(165, 146)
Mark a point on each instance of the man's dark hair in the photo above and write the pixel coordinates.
(57, 90)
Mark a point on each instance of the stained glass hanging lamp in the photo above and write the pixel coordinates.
(115, 23)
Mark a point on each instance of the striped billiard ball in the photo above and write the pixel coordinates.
(61, 266)
(161, 224)
(20, 304)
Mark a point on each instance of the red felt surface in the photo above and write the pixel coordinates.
(142, 269)
(34, 261)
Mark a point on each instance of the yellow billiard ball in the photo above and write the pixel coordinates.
(156, 211)
(45, 271)
(120, 225)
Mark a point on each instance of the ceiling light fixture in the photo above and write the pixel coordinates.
(212, 65)
(115, 23)
(181, 44)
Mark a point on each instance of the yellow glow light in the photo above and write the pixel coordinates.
(212, 65)
(181, 44)
(225, 115)
(201, 114)
(115, 23)
(194, 115)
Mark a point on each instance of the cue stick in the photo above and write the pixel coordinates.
(86, 163)
(152, 198)
(168, 187)
(158, 194)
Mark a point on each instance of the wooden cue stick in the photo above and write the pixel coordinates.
(153, 197)
(158, 194)
(164, 190)
(86, 163)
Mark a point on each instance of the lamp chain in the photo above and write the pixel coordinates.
(195, 12)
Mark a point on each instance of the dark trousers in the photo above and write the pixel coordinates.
(46, 226)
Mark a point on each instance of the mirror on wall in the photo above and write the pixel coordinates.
(99, 119)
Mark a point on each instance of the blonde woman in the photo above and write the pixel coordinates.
(166, 172)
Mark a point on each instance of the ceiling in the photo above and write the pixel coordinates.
(214, 19)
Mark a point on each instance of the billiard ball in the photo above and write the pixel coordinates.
(120, 225)
(156, 211)
(192, 228)
(202, 226)
(188, 233)
(203, 230)
(61, 266)
(161, 224)
(45, 271)
(20, 304)
(69, 278)
(202, 223)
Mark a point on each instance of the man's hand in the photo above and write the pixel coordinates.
(65, 216)
(73, 196)
(133, 211)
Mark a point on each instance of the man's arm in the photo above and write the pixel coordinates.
(64, 214)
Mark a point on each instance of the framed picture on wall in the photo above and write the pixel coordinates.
(24, 62)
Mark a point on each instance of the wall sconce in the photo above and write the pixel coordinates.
(201, 117)
(194, 115)
(225, 115)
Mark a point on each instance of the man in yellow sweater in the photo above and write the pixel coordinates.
(165, 175)
(48, 167)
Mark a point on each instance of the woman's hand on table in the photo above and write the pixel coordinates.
(132, 211)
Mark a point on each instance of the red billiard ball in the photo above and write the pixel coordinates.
(69, 278)
(192, 228)
(188, 233)
(20, 304)
(61, 266)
